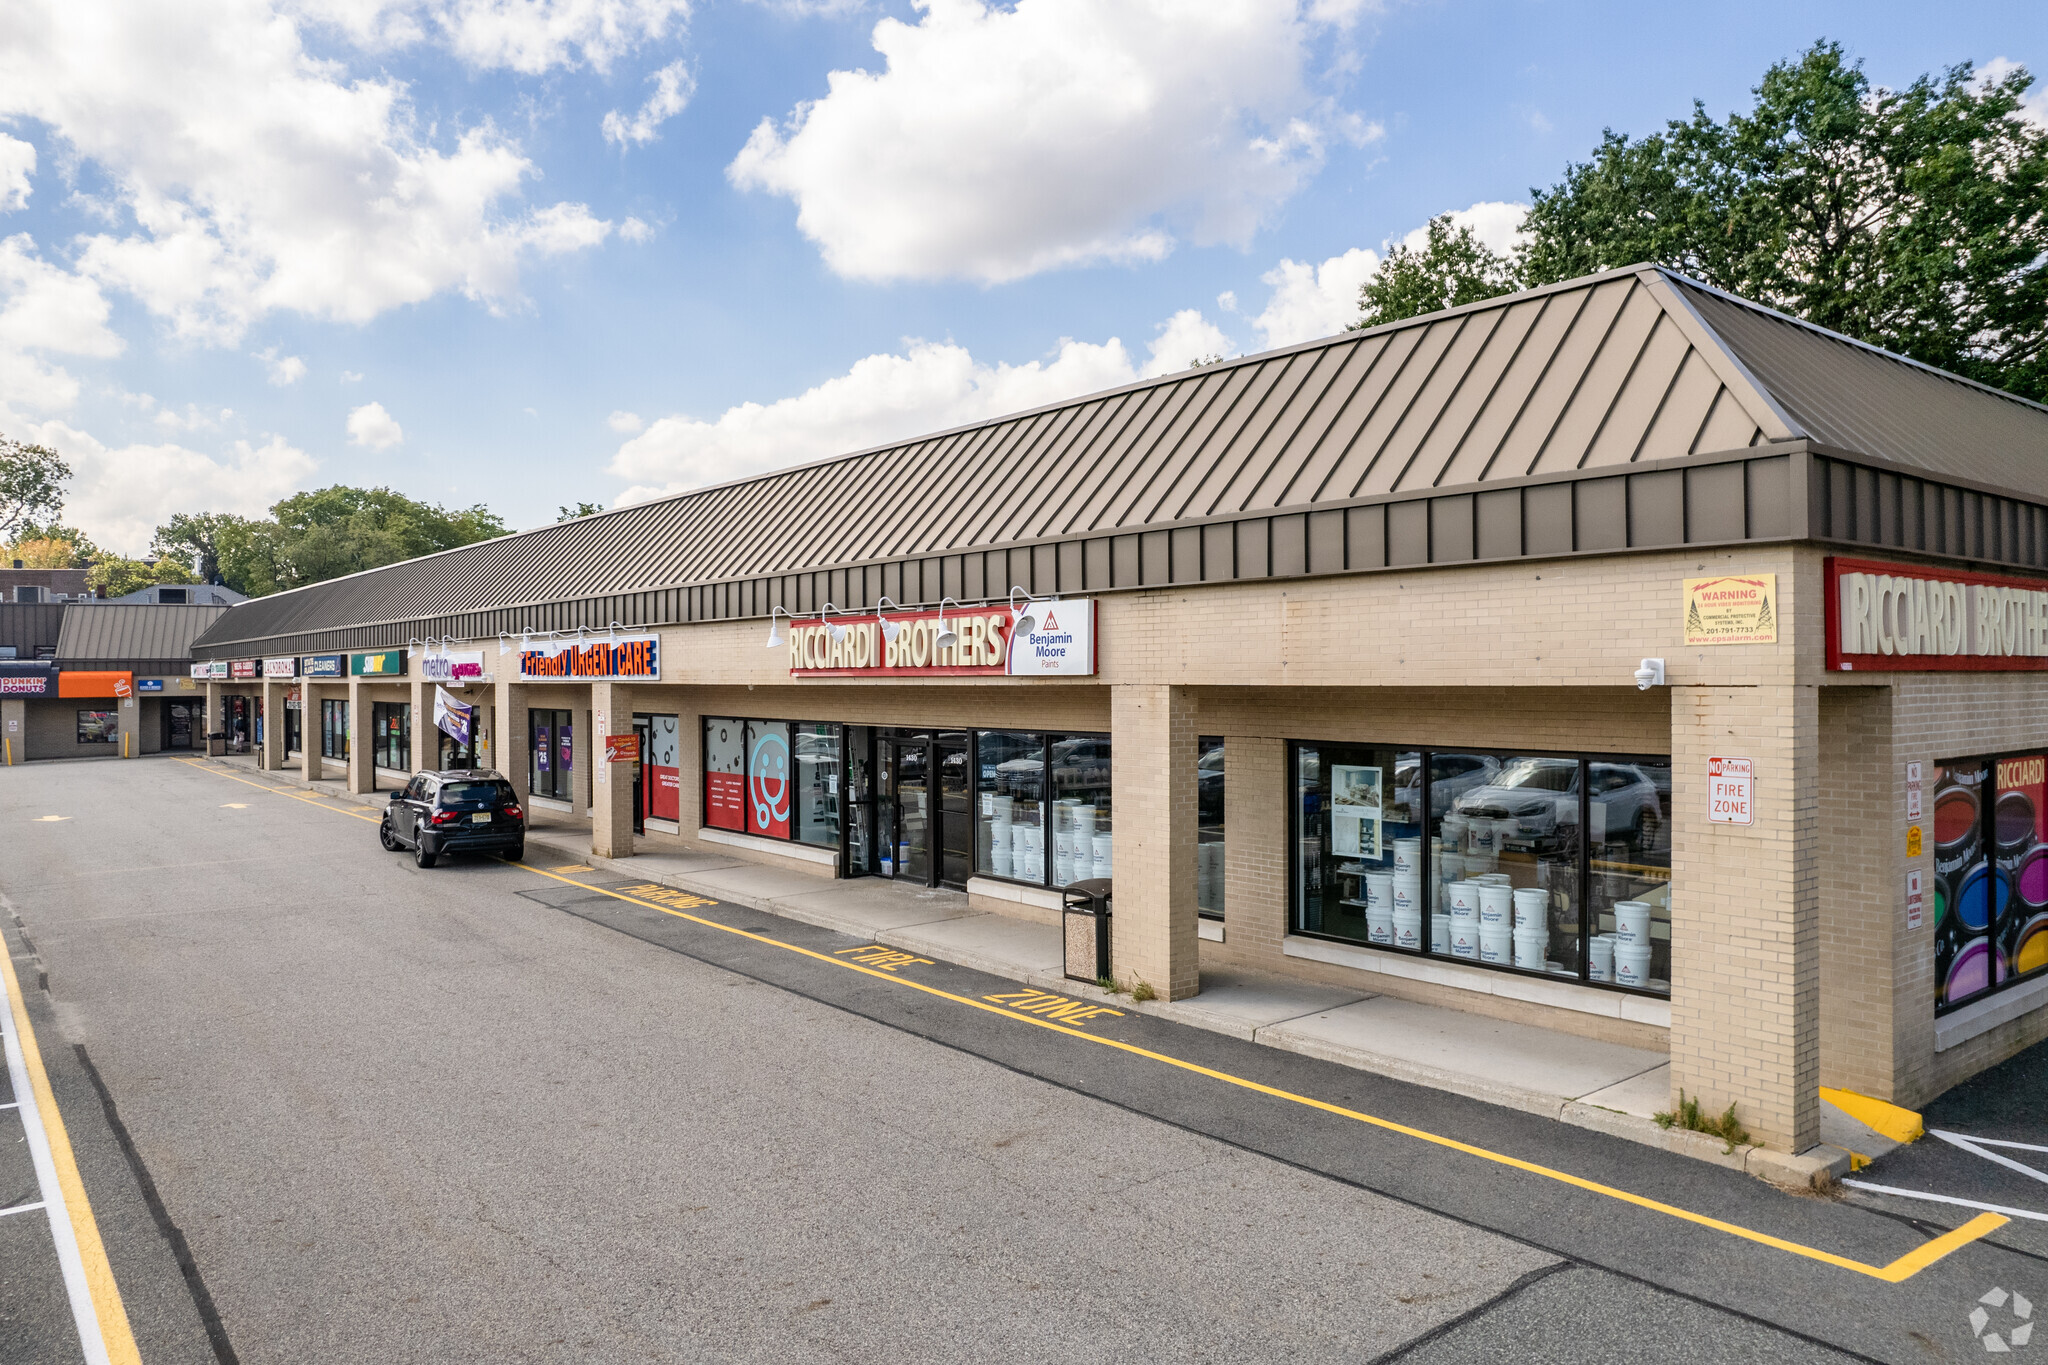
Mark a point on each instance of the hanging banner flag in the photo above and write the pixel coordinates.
(454, 719)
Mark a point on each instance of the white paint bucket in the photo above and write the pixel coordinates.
(1465, 900)
(1532, 947)
(1600, 958)
(1407, 894)
(1083, 821)
(1408, 856)
(1530, 903)
(1100, 864)
(1450, 867)
(1439, 933)
(1407, 929)
(1632, 964)
(999, 859)
(1379, 893)
(1632, 922)
(1379, 926)
(1496, 943)
(1479, 835)
(1454, 830)
(1496, 904)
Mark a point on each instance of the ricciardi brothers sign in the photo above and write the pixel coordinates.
(1909, 618)
(1059, 642)
(636, 658)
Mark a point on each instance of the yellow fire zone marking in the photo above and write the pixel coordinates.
(572, 867)
(1895, 1272)
(667, 895)
(882, 959)
(1074, 1012)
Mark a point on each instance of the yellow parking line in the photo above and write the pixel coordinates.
(117, 1339)
(306, 798)
(1905, 1267)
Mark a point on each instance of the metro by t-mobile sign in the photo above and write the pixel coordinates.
(1060, 642)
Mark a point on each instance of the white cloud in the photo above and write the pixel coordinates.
(999, 142)
(1183, 339)
(625, 423)
(282, 371)
(259, 178)
(635, 230)
(119, 496)
(1311, 301)
(930, 387)
(2034, 109)
(193, 418)
(527, 36)
(673, 86)
(369, 425)
(46, 309)
(17, 164)
(351, 377)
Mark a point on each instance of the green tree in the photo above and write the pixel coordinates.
(1452, 267)
(581, 509)
(51, 545)
(32, 480)
(220, 547)
(117, 576)
(1915, 219)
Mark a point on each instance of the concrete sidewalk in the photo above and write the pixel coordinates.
(1579, 1081)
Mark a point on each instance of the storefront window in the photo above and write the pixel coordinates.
(1990, 874)
(1209, 827)
(1081, 843)
(1010, 805)
(817, 784)
(98, 727)
(1550, 863)
(333, 728)
(391, 735)
(771, 772)
(725, 773)
(661, 795)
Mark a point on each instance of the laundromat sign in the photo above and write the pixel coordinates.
(1905, 618)
(1058, 641)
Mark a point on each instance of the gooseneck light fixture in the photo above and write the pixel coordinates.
(947, 636)
(890, 629)
(1022, 621)
(833, 629)
(775, 636)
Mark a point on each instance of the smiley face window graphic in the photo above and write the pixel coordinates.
(768, 781)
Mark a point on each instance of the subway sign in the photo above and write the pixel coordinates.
(1907, 618)
(389, 664)
(636, 658)
(1059, 641)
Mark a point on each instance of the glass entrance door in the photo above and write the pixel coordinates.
(955, 810)
(641, 726)
(913, 785)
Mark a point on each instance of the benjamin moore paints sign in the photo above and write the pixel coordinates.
(1906, 618)
(637, 658)
(1059, 643)
(389, 664)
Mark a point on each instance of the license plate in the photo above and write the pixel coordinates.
(482, 817)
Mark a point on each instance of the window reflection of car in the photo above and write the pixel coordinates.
(1541, 794)
(1450, 776)
(1209, 788)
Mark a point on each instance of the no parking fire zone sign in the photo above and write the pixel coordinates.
(1731, 791)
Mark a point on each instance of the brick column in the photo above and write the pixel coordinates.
(270, 754)
(310, 766)
(1745, 912)
(509, 737)
(362, 769)
(13, 729)
(216, 718)
(425, 750)
(611, 784)
(1153, 730)
(1256, 794)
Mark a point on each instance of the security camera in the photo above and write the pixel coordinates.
(1650, 674)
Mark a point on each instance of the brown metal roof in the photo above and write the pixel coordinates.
(121, 633)
(1632, 369)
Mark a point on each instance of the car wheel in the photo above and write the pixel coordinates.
(391, 845)
(515, 853)
(422, 857)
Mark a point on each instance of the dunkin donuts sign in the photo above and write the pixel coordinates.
(1058, 641)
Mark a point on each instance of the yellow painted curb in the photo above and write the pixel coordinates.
(1900, 1125)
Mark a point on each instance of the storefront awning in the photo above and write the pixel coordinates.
(87, 683)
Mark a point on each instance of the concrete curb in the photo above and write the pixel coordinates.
(1815, 1169)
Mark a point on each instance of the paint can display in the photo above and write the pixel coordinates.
(1408, 894)
(1408, 856)
(1379, 893)
(1465, 938)
(1454, 830)
(1465, 900)
(999, 858)
(1632, 964)
(1440, 933)
(1530, 904)
(1496, 942)
(1450, 867)
(1407, 927)
(1379, 925)
(1100, 866)
(1600, 957)
(1632, 922)
(2012, 821)
(2030, 946)
(1479, 836)
(1496, 903)
(1532, 947)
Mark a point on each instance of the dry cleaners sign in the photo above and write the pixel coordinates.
(1905, 618)
(1058, 640)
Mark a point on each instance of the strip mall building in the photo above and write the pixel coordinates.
(1329, 659)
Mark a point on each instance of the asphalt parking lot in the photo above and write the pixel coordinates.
(328, 1105)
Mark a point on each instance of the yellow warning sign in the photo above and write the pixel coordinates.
(1732, 611)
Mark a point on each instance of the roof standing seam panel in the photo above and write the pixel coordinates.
(1640, 395)
(1012, 491)
(1206, 452)
(1563, 371)
(1606, 369)
(1093, 482)
(1680, 411)
(1178, 445)
(1507, 360)
(1434, 398)
(1111, 471)
(1364, 468)
(1142, 463)
(1264, 394)
(1042, 484)
(1090, 431)
(1275, 472)
(1334, 387)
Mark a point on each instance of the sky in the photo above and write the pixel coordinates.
(529, 253)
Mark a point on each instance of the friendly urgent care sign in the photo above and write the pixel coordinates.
(633, 659)
(1906, 618)
(1059, 643)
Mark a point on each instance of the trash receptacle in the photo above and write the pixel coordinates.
(1084, 924)
(217, 744)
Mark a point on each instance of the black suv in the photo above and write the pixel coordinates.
(465, 810)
